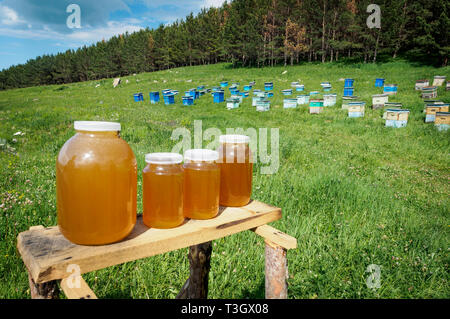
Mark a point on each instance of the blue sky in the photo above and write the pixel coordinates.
(29, 28)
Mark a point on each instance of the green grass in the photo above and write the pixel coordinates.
(353, 192)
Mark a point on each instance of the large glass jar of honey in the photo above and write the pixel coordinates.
(236, 170)
(201, 184)
(162, 194)
(96, 181)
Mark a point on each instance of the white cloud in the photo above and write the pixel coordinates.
(213, 3)
(8, 16)
(97, 34)
(80, 36)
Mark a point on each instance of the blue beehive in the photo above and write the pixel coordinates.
(300, 88)
(379, 82)
(349, 83)
(268, 86)
(200, 87)
(165, 91)
(194, 93)
(287, 92)
(218, 96)
(188, 100)
(244, 94)
(169, 98)
(223, 84)
(247, 87)
(390, 88)
(348, 91)
(137, 97)
(269, 94)
(154, 97)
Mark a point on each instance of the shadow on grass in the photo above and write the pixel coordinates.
(258, 293)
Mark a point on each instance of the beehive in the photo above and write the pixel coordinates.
(300, 88)
(268, 86)
(396, 118)
(348, 91)
(356, 109)
(390, 89)
(421, 84)
(379, 100)
(442, 122)
(393, 105)
(154, 97)
(439, 80)
(379, 82)
(315, 106)
(429, 92)
(289, 103)
(302, 99)
(432, 109)
(188, 100)
(232, 103)
(349, 83)
(218, 96)
(287, 92)
(329, 99)
(263, 106)
(346, 100)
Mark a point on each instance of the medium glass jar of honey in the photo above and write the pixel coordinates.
(201, 184)
(162, 194)
(96, 181)
(236, 170)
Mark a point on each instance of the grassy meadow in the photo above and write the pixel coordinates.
(352, 191)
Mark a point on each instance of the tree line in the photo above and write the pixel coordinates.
(255, 33)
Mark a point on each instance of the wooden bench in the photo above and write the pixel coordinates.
(49, 257)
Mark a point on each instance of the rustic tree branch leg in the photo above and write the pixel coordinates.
(196, 287)
(47, 290)
(276, 271)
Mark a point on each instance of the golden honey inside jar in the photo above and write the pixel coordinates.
(96, 181)
(163, 182)
(236, 170)
(201, 184)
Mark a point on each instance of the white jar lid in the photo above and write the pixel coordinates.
(163, 158)
(234, 139)
(201, 155)
(96, 126)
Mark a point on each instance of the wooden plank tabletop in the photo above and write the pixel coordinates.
(47, 253)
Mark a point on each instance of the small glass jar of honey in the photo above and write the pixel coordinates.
(162, 194)
(236, 170)
(201, 184)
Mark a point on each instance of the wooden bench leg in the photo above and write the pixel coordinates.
(47, 290)
(276, 271)
(196, 286)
